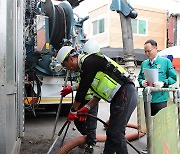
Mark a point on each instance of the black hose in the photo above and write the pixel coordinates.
(65, 134)
(60, 132)
(90, 115)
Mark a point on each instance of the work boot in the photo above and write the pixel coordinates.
(89, 149)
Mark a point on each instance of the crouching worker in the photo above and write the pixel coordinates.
(89, 126)
(108, 81)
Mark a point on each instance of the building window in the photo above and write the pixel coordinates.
(98, 26)
(139, 26)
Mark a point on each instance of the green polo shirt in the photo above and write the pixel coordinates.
(166, 74)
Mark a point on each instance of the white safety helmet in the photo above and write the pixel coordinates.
(63, 53)
(91, 46)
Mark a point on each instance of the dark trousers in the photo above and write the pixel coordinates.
(156, 107)
(89, 126)
(121, 108)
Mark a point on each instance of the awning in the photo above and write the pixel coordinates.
(118, 53)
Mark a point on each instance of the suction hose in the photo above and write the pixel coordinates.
(68, 146)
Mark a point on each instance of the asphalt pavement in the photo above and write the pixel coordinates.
(38, 133)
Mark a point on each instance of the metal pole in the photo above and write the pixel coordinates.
(147, 107)
(60, 132)
(59, 108)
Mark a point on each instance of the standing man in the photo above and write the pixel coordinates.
(108, 81)
(166, 74)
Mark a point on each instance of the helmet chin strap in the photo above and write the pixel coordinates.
(74, 53)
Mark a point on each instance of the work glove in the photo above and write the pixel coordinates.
(158, 84)
(145, 83)
(84, 110)
(66, 90)
(72, 116)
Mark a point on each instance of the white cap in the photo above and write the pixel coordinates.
(63, 53)
(91, 46)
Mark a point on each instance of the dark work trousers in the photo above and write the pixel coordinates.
(156, 107)
(121, 108)
(89, 126)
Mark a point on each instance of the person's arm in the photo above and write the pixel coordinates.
(75, 106)
(167, 75)
(141, 76)
(89, 70)
(93, 102)
(90, 104)
(90, 67)
(171, 75)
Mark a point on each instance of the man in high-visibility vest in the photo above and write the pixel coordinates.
(89, 126)
(108, 81)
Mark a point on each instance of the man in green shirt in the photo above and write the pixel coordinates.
(166, 75)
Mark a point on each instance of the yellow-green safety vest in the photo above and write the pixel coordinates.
(103, 85)
(89, 94)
